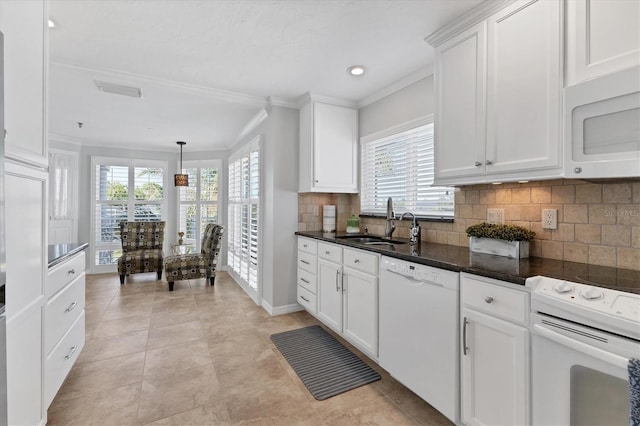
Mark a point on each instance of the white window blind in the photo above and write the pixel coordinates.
(401, 166)
(198, 204)
(123, 190)
(244, 205)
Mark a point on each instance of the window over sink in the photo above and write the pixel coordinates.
(399, 163)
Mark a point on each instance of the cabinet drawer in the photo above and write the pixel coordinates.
(62, 274)
(362, 261)
(331, 252)
(62, 311)
(62, 358)
(307, 261)
(494, 299)
(307, 245)
(307, 280)
(307, 300)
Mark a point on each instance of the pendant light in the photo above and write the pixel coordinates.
(181, 179)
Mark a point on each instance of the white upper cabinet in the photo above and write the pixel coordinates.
(24, 25)
(328, 146)
(603, 36)
(499, 94)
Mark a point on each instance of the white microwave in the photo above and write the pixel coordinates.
(602, 126)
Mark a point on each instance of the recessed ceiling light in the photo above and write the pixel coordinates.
(356, 70)
(51, 24)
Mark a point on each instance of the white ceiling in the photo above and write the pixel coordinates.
(207, 67)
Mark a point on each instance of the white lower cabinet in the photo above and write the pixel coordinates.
(64, 322)
(495, 364)
(347, 291)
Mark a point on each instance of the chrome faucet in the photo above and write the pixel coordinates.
(414, 233)
(390, 227)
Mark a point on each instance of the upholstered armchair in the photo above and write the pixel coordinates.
(141, 248)
(196, 265)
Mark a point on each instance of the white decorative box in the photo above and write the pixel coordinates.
(513, 249)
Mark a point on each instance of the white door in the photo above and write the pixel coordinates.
(361, 309)
(460, 104)
(330, 294)
(603, 37)
(524, 87)
(494, 378)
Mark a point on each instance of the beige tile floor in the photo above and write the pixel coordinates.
(202, 355)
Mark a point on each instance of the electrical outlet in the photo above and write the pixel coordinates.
(495, 216)
(549, 219)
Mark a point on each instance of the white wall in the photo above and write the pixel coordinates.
(414, 101)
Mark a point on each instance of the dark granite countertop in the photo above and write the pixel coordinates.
(516, 271)
(60, 252)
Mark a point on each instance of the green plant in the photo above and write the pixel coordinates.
(500, 232)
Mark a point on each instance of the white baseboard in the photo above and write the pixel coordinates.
(281, 310)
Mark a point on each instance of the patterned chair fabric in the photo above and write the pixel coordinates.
(141, 248)
(196, 265)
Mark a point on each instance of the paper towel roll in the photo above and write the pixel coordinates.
(329, 218)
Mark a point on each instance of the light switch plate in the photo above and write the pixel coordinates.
(549, 218)
(495, 216)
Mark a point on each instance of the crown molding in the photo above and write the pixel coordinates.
(308, 97)
(252, 124)
(65, 139)
(281, 102)
(219, 94)
(466, 20)
(398, 85)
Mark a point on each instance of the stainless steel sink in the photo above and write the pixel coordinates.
(369, 240)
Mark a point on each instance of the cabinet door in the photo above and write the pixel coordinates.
(25, 33)
(330, 294)
(460, 105)
(603, 37)
(335, 148)
(360, 323)
(494, 371)
(524, 87)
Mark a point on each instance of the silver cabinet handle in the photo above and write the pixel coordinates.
(478, 164)
(71, 307)
(577, 170)
(465, 348)
(488, 162)
(488, 299)
(71, 271)
(304, 281)
(344, 281)
(327, 252)
(356, 261)
(337, 285)
(304, 245)
(409, 277)
(305, 299)
(305, 262)
(71, 352)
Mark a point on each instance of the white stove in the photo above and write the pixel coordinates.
(582, 340)
(602, 308)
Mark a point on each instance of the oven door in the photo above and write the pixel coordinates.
(579, 374)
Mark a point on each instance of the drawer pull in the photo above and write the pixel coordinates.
(71, 352)
(305, 299)
(304, 281)
(71, 271)
(71, 307)
(327, 252)
(356, 261)
(305, 262)
(488, 299)
(304, 245)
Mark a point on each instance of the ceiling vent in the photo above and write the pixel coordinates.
(118, 89)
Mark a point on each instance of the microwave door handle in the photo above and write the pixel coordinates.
(594, 352)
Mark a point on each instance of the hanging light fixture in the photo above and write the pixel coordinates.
(181, 179)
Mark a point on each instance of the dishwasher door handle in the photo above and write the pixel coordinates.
(409, 277)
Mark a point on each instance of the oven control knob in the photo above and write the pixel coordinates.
(563, 287)
(592, 293)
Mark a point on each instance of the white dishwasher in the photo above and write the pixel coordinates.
(418, 331)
